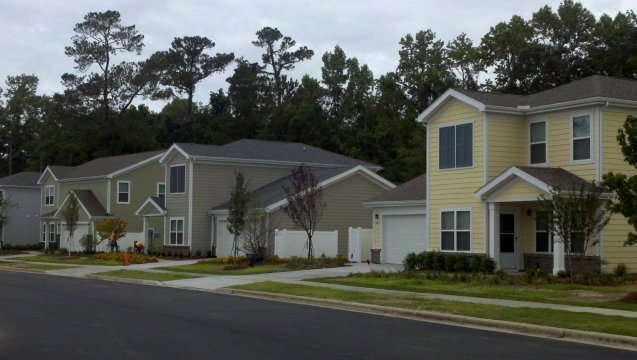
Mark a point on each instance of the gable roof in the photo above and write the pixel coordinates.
(156, 203)
(265, 151)
(543, 178)
(412, 192)
(592, 89)
(87, 201)
(103, 167)
(272, 196)
(22, 179)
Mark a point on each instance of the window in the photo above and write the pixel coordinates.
(123, 192)
(581, 137)
(538, 142)
(543, 243)
(161, 189)
(52, 233)
(178, 179)
(49, 195)
(456, 146)
(455, 231)
(176, 231)
(43, 232)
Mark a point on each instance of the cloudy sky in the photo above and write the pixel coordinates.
(35, 32)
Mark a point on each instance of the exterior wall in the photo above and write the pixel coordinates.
(504, 145)
(614, 235)
(48, 181)
(212, 185)
(22, 225)
(98, 187)
(516, 190)
(177, 204)
(454, 188)
(143, 184)
(343, 208)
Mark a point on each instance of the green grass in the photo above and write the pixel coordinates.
(562, 319)
(145, 275)
(579, 295)
(70, 260)
(210, 268)
(31, 266)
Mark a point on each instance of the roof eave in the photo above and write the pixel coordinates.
(443, 99)
(394, 203)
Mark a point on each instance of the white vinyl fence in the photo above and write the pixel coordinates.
(294, 243)
(360, 244)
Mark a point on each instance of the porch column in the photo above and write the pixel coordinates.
(145, 238)
(558, 254)
(494, 230)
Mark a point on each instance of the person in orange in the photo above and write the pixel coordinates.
(138, 247)
(112, 241)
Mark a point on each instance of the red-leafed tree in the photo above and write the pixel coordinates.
(304, 203)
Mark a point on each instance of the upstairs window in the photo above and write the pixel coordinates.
(456, 146)
(581, 131)
(49, 195)
(538, 142)
(123, 192)
(178, 179)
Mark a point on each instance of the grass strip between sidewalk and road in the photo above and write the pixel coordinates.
(70, 260)
(209, 268)
(555, 318)
(32, 266)
(145, 275)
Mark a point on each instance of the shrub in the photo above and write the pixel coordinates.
(132, 258)
(461, 263)
(410, 262)
(621, 271)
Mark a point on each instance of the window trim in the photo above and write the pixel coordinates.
(170, 231)
(573, 138)
(51, 196)
(171, 179)
(549, 237)
(158, 192)
(128, 193)
(545, 142)
(455, 230)
(455, 147)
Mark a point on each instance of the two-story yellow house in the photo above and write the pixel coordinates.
(489, 157)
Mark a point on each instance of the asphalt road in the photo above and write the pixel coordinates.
(49, 317)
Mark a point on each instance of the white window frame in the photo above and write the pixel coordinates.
(171, 179)
(119, 192)
(590, 138)
(52, 232)
(44, 227)
(456, 230)
(48, 196)
(545, 142)
(170, 231)
(159, 184)
(455, 126)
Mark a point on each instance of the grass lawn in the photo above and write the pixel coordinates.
(547, 317)
(71, 260)
(211, 268)
(31, 266)
(145, 275)
(580, 295)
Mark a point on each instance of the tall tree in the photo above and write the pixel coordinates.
(19, 122)
(250, 100)
(187, 64)
(278, 57)
(71, 215)
(625, 187)
(614, 49)
(239, 199)
(305, 205)
(466, 61)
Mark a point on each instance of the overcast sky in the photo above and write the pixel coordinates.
(35, 32)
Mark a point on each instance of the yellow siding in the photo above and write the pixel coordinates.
(454, 188)
(507, 139)
(613, 250)
(559, 145)
(516, 190)
(612, 158)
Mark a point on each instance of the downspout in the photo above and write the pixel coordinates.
(598, 167)
(485, 160)
(427, 187)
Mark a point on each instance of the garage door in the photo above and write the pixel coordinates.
(224, 239)
(402, 234)
(72, 244)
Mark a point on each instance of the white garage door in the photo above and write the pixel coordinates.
(224, 239)
(73, 244)
(402, 234)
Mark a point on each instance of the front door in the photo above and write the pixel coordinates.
(508, 242)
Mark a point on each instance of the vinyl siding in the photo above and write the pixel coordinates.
(48, 181)
(559, 148)
(212, 186)
(177, 204)
(455, 188)
(98, 187)
(616, 232)
(343, 208)
(517, 190)
(506, 144)
(22, 225)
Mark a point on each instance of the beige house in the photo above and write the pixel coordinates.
(105, 187)
(489, 157)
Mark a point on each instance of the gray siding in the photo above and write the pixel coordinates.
(343, 208)
(177, 204)
(22, 225)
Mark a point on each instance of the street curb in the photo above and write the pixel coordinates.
(124, 280)
(610, 340)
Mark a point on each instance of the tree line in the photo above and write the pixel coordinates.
(348, 110)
